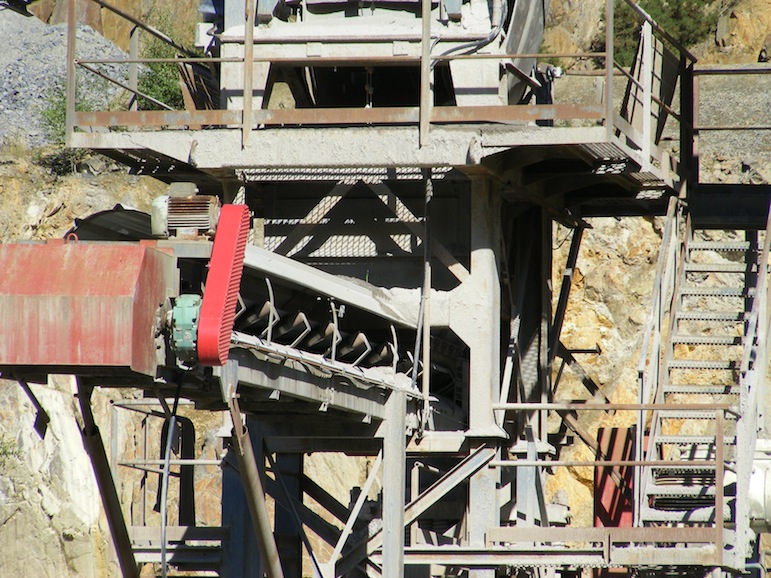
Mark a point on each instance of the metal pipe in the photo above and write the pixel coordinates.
(647, 81)
(133, 79)
(173, 462)
(125, 86)
(92, 440)
(396, 60)
(731, 71)
(646, 17)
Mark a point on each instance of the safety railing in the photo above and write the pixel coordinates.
(621, 471)
(752, 383)
(649, 369)
(751, 376)
(636, 126)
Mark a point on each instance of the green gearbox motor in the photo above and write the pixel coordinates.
(184, 327)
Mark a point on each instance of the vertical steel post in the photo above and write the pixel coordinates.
(70, 92)
(289, 470)
(544, 360)
(246, 128)
(134, 67)
(425, 73)
(394, 481)
(719, 485)
(689, 155)
(647, 81)
(609, 70)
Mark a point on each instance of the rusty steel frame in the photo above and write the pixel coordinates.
(338, 116)
(424, 115)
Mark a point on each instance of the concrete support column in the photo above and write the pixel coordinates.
(486, 310)
(484, 382)
(394, 481)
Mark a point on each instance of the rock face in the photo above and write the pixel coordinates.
(112, 26)
(742, 28)
(573, 25)
(50, 523)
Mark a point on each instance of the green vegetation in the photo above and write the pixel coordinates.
(8, 448)
(159, 80)
(687, 21)
(54, 119)
(54, 112)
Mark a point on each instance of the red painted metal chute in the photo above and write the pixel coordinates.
(218, 307)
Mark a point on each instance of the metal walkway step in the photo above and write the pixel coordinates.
(676, 413)
(711, 315)
(693, 440)
(702, 364)
(684, 491)
(720, 267)
(719, 246)
(188, 548)
(701, 389)
(692, 516)
(716, 292)
(707, 339)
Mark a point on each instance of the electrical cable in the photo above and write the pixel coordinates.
(165, 479)
(471, 47)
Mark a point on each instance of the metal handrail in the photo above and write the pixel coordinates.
(752, 376)
(648, 368)
(424, 116)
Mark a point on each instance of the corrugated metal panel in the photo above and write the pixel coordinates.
(80, 307)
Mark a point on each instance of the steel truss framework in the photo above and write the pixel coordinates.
(441, 358)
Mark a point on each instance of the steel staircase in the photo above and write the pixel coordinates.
(703, 390)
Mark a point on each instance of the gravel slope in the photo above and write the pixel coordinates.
(33, 63)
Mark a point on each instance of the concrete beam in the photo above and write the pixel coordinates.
(342, 147)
